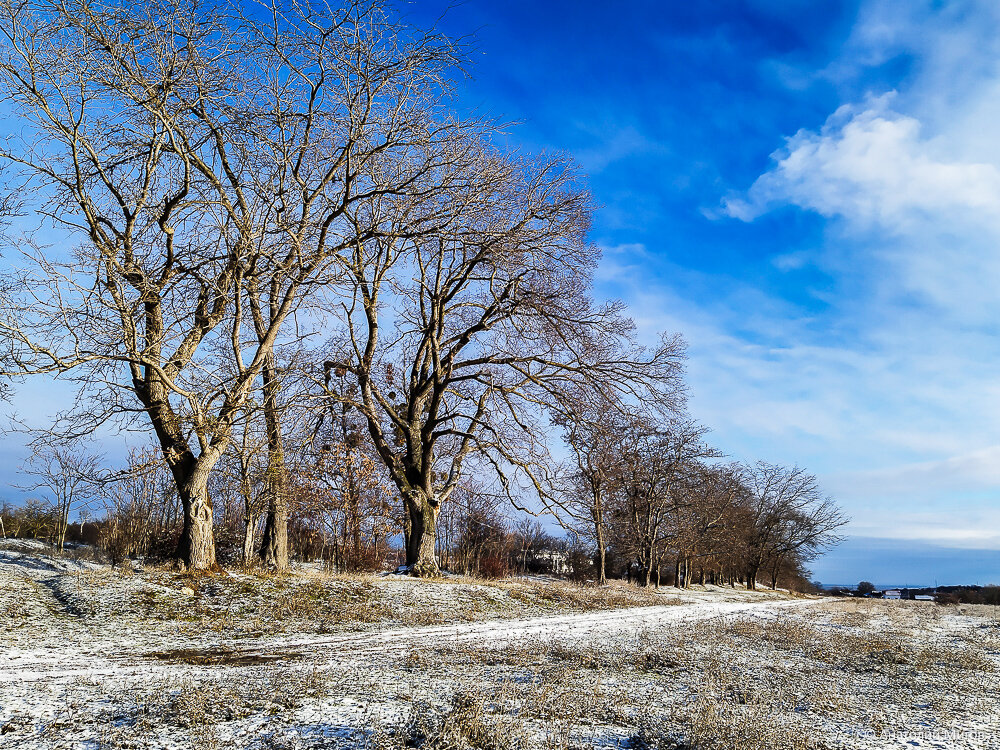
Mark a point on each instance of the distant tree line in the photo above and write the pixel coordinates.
(354, 325)
(967, 595)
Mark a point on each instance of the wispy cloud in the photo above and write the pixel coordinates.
(891, 388)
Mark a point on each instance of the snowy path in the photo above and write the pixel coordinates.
(576, 626)
(64, 645)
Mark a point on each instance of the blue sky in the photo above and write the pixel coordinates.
(809, 192)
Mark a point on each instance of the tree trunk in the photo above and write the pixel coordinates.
(355, 528)
(196, 549)
(598, 514)
(602, 554)
(249, 532)
(647, 574)
(422, 539)
(63, 526)
(274, 545)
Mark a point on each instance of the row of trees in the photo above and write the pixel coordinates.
(331, 299)
(134, 512)
(648, 506)
(646, 486)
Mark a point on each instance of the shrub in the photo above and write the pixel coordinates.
(492, 566)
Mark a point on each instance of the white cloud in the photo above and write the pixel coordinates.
(892, 393)
(872, 165)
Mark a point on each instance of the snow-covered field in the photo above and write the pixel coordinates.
(92, 657)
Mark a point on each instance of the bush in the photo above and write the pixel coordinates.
(492, 566)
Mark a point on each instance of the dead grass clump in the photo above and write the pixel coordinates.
(579, 655)
(989, 612)
(468, 722)
(952, 656)
(783, 634)
(645, 654)
(417, 616)
(713, 725)
(655, 660)
(329, 605)
(564, 701)
(197, 704)
(868, 650)
(860, 651)
(190, 704)
(221, 657)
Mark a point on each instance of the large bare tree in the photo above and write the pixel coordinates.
(470, 322)
(207, 159)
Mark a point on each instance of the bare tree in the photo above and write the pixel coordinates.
(701, 512)
(208, 161)
(659, 460)
(339, 482)
(242, 471)
(139, 503)
(68, 476)
(463, 338)
(484, 544)
(530, 538)
(788, 515)
(595, 431)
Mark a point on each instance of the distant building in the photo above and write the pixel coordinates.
(553, 561)
(893, 594)
(924, 598)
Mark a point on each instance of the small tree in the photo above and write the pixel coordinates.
(68, 476)
(140, 504)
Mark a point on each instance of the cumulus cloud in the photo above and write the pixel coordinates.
(872, 165)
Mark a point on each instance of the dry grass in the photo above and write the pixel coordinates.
(196, 707)
(562, 595)
(792, 679)
(261, 603)
(467, 721)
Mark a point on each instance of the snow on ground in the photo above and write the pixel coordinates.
(92, 657)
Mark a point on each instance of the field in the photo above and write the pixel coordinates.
(95, 657)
